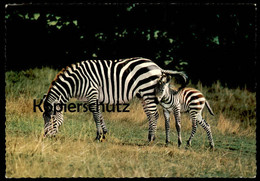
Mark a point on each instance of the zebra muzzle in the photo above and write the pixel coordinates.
(50, 130)
(46, 133)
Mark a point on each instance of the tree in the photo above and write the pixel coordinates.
(208, 42)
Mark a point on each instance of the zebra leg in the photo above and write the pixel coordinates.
(94, 108)
(151, 111)
(193, 131)
(177, 116)
(206, 127)
(167, 124)
(96, 116)
(103, 126)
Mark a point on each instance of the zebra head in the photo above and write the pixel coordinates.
(162, 87)
(52, 119)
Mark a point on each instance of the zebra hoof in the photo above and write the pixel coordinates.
(151, 138)
(179, 143)
(99, 138)
(211, 147)
(104, 134)
(188, 144)
(103, 137)
(167, 143)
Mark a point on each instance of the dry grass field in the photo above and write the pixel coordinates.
(126, 153)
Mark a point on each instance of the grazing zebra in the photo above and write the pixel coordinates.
(105, 82)
(184, 100)
(53, 122)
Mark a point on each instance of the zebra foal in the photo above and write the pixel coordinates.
(184, 100)
(105, 82)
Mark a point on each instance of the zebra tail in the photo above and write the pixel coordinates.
(182, 74)
(209, 108)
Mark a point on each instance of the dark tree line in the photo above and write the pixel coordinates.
(209, 42)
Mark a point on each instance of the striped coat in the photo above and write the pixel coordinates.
(107, 82)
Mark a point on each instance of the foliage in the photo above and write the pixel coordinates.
(219, 38)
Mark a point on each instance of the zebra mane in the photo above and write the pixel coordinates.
(57, 77)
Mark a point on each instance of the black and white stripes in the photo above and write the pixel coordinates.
(184, 100)
(108, 82)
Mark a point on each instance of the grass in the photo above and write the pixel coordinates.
(126, 153)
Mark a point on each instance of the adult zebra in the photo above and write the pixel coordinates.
(105, 82)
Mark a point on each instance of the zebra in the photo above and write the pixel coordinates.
(52, 122)
(183, 100)
(105, 82)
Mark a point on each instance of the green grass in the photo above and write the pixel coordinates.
(126, 152)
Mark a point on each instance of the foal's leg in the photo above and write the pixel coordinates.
(194, 127)
(206, 127)
(167, 124)
(177, 115)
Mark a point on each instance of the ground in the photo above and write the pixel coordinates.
(126, 152)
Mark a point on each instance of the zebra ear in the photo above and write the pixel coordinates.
(164, 79)
(169, 78)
